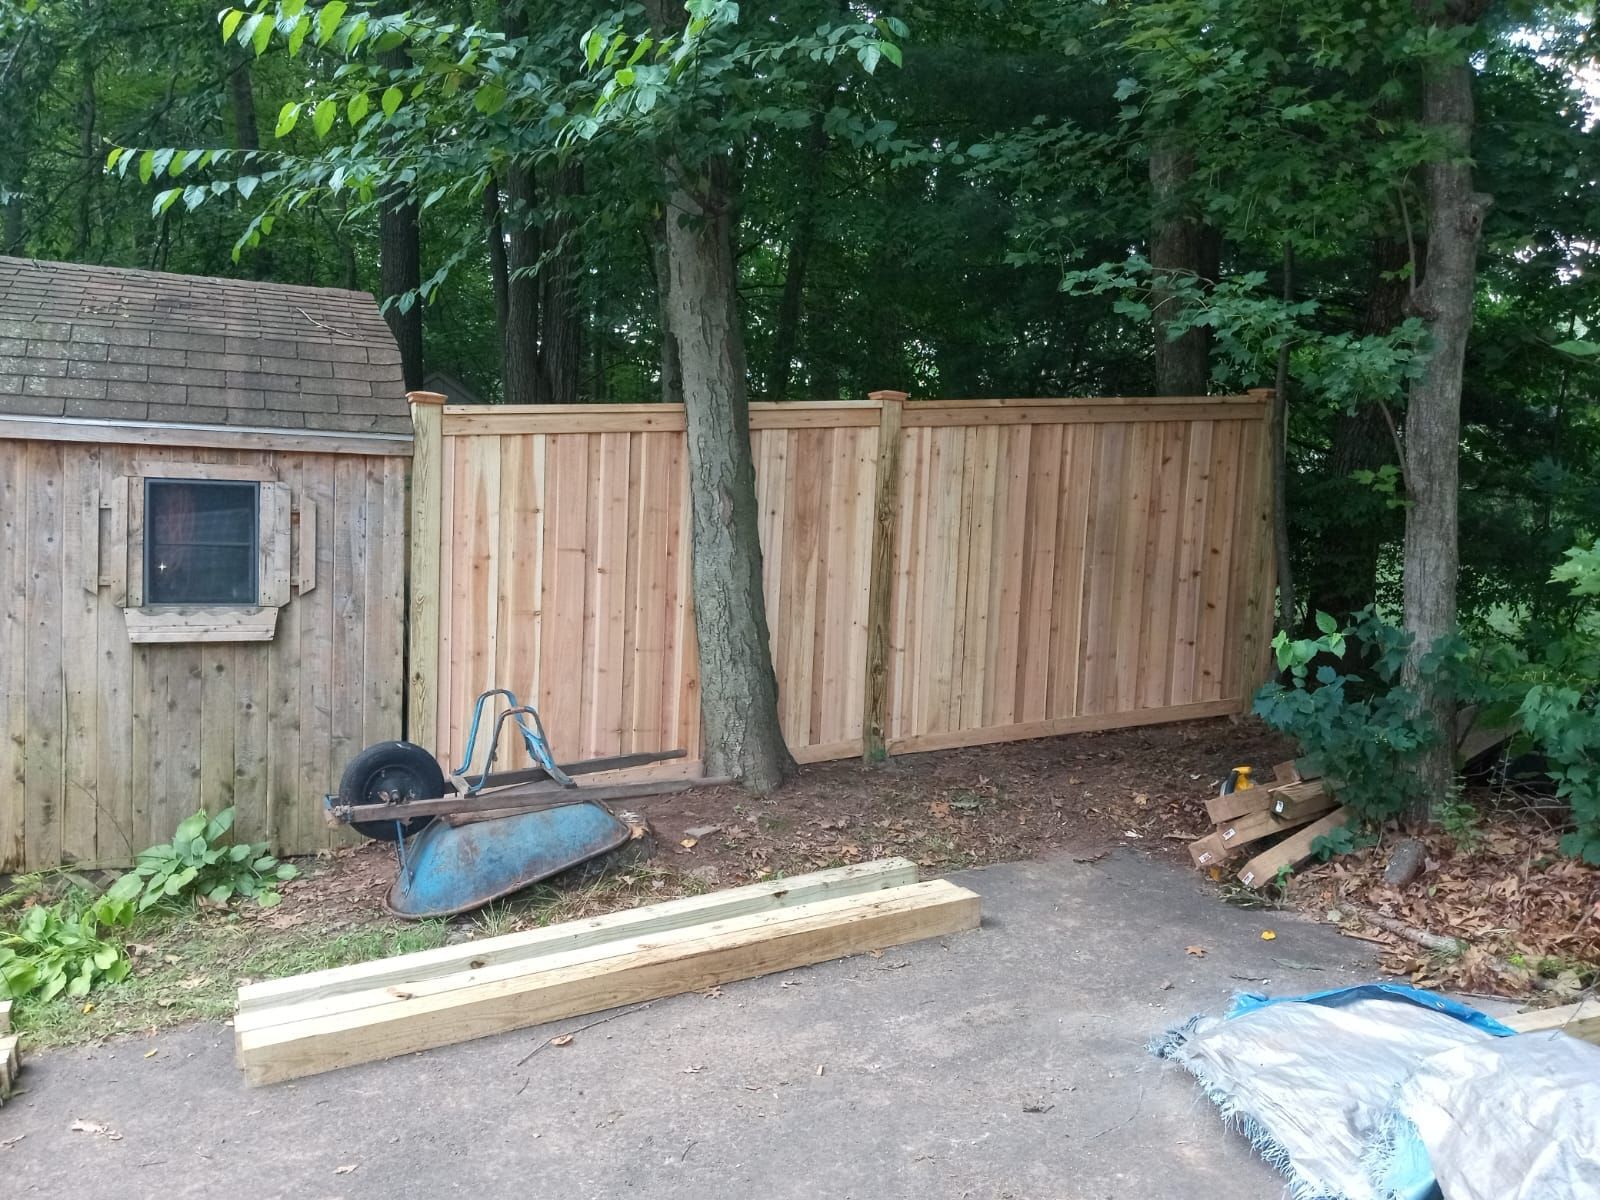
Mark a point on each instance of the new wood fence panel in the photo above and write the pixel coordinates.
(1052, 565)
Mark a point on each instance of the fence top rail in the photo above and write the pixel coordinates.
(460, 420)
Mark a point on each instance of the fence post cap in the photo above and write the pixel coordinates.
(888, 394)
(425, 397)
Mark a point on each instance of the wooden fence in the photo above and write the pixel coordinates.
(938, 573)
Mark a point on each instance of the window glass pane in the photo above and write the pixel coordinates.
(200, 542)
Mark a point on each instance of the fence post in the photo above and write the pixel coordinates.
(427, 503)
(880, 588)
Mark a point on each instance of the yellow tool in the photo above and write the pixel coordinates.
(1238, 780)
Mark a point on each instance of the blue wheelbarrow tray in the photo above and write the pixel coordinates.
(451, 868)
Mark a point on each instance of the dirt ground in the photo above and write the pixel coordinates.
(1142, 788)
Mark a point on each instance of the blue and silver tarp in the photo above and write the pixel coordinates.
(1384, 1092)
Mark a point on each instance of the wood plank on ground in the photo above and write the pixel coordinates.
(1290, 852)
(1208, 851)
(609, 976)
(1252, 827)
(1580, 1020)
(1236, 804)
(573, 935)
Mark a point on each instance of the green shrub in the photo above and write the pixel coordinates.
(58, 948)
(198, 863)
(1355, 722)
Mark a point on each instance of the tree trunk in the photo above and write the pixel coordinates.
(738, 688)
(242, 100)
(671, 361)
(1433, 421)
(1280, 463)
(1181, 244)
(522, 382)
(561, 337)
(89, 145)
(786, 329)
(400, 272)
(494, 236)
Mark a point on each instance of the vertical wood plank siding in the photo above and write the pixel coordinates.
(1042, 566)
(106, 746)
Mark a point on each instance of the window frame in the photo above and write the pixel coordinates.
(149, 483)
(276, 572)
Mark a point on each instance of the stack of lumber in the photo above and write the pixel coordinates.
(306, 1024)
(1260, 817)
(1581, 1020)
(10, 1054)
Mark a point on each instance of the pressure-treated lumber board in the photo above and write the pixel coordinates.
(1297, 793)
(1237, 804)
(1293, 850)
(10, 1064)
(1252, 827)
(5, 1016)
(573, 935)
(1581, 1020)
(1293, 812)
(1208, 851)
(608, 976)
(1090, 722)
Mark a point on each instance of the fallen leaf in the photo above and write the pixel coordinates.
(689, 843)
(194, 981)
(7, 1143)
(346, 1169)
(564, 1040)
(1195, 951)
(875, 953)
(1268, 935)
(89, 1008)
(1166, 985)
(693, 1070)
(151, 1053)
(97, 1128)
(1141, 799)
(1038, 1106)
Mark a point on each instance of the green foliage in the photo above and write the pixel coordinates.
(58, 948)
(1559, 706)
(198, 863)
(1355, 722)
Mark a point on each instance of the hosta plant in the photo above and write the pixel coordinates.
(198, 862)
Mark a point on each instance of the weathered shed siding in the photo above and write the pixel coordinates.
(106, 746)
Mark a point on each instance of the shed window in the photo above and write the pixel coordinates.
(201, 542)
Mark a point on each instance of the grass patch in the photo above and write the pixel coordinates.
(188, 967)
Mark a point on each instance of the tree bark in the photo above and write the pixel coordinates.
(1181, 244)
(1433, 421)
(522, 381)
(786, 329)
(399, 272)
(671, 361)
(242, 100)
(561, 336)
(494, 236)
(1280, 463)
(738, 687)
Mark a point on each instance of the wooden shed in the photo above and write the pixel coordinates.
(202, 555)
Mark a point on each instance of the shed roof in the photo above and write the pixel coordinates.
(114, 344)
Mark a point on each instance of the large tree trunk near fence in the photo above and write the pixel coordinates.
(521, 380)
(1181, 244)
(400, 271)
(1433, 421)
(738, 687)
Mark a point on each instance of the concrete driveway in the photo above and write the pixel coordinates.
(1009, 1062)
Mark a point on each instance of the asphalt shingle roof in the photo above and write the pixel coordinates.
(114, 344)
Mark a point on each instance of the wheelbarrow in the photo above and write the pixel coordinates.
(470, 839)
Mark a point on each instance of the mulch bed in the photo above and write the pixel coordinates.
(1506, 890)
(1530, 914)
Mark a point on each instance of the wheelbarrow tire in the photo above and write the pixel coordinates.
(386, 772)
